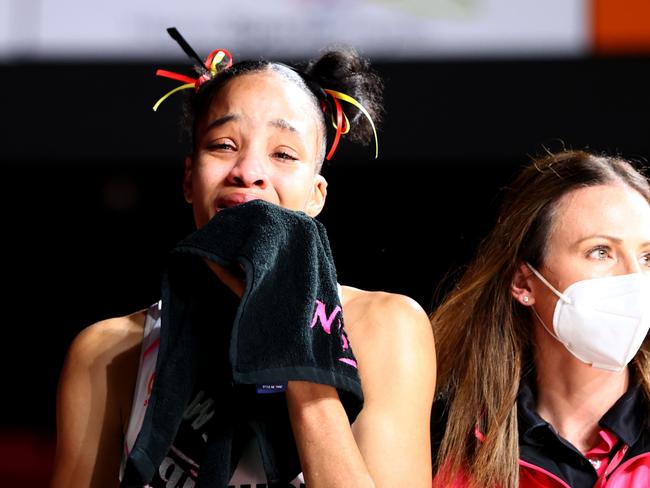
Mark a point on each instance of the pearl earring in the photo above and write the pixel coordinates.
(525, 299)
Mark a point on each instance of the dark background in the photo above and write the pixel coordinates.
(91, 193)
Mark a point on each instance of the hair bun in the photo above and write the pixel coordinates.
(344, 70)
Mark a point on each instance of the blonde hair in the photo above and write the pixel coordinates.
(483, 335)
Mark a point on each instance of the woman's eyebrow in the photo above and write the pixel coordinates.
(616, 240)
(284, 125)
(222, 120)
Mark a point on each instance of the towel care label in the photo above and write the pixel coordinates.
(272, 388)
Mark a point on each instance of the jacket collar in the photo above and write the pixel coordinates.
(626, 418)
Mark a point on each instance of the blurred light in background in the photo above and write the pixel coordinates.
(27, 459)
(381, 29)
(621, 26)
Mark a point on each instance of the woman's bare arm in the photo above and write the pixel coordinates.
(389, 443)
(94, 401)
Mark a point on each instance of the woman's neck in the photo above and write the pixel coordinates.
(573, 396)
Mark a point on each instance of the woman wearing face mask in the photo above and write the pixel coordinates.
(259, 137)
(544, 371)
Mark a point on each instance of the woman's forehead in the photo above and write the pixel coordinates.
(264, 91)
(614, 209)
(265, 99)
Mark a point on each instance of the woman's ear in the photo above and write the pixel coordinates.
(521, 288)
(317, 197)
(187, 179)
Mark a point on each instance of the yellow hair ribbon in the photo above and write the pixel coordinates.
(171, 92)
(352, 101)
(346, 125)
(217, 59)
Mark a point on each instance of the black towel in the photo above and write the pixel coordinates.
(287, 326)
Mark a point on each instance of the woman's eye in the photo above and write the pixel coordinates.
(645, 260)
(284, 155)
(221, 146)
(600, 252)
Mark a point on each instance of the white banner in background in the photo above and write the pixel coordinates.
(381, 29)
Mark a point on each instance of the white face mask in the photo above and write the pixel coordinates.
(602, 321)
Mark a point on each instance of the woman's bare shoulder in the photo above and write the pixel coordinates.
(94, 401)
(103, 341)
(378, 307)
(392, 340)
(107, 354)
(380, 321)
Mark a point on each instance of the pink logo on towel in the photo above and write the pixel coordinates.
(349, 361)
(320, 315)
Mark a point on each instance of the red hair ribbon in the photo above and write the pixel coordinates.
(342, 124)
(209, 71)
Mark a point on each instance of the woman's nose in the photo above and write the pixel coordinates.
(631, 264)
(248, 171)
